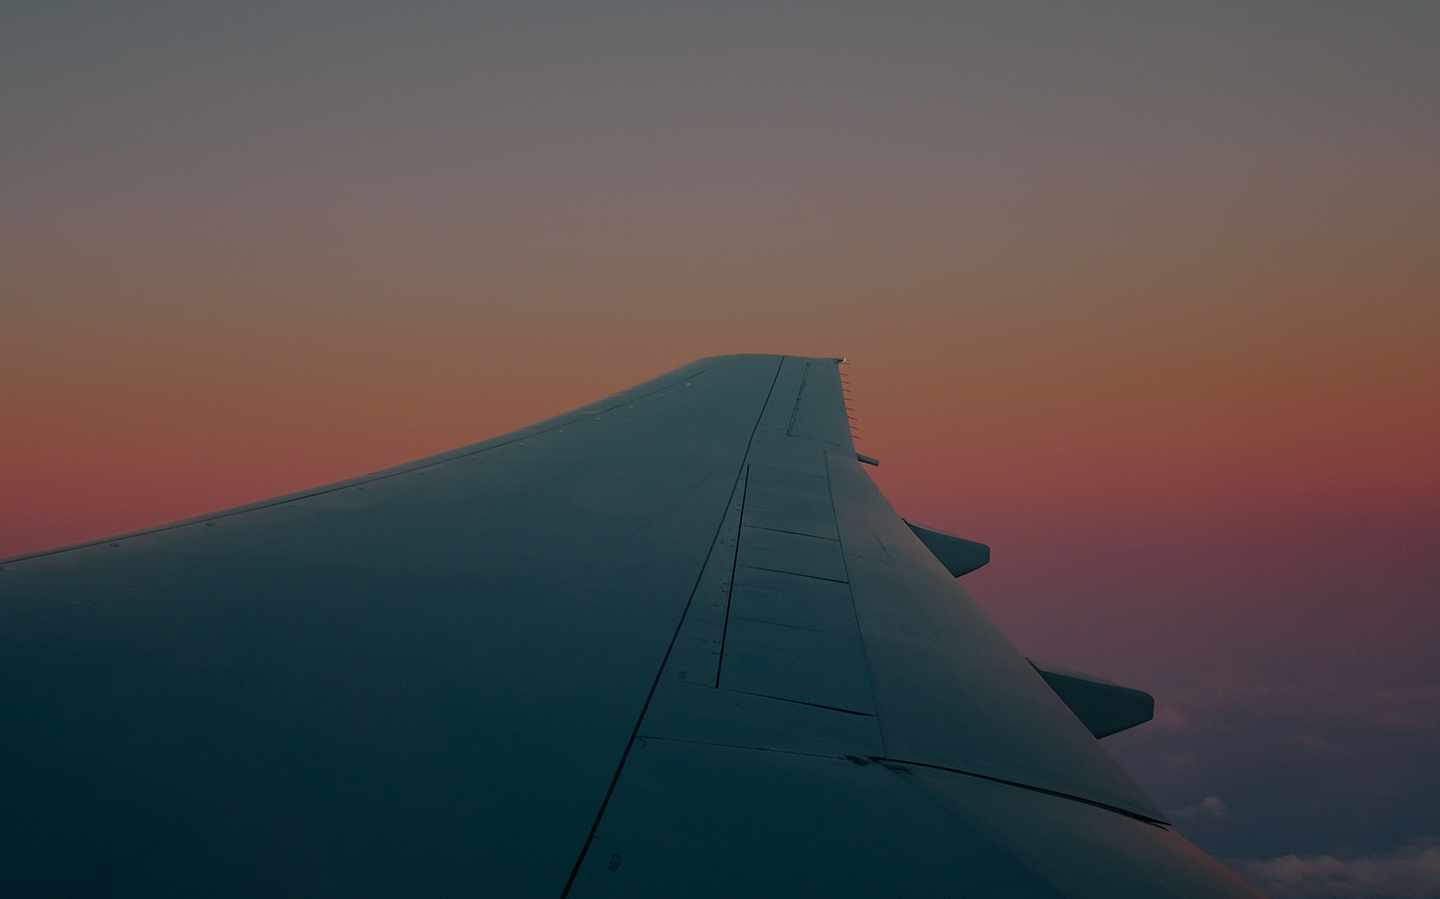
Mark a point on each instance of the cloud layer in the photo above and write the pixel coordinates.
(1409, 872)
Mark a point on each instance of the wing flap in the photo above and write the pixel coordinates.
(816, 415)
(803, 826)
(694, 714)
(818, 826)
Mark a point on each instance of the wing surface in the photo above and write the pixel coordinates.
(672, 643)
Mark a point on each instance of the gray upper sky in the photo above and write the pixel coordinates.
(1025, 212)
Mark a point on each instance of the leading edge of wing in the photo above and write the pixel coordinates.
(612, 401)
(413, 684)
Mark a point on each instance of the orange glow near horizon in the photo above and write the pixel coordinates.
(1147, 298)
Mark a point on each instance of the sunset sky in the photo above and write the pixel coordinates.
(1145, 296)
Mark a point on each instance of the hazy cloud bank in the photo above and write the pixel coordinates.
(1410, 872)
(1302, 766)
(1209, 807)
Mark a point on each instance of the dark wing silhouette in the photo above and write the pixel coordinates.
(674, 643)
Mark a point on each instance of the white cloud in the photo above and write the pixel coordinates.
(1410, 872)
(1167, 718)
(1209, 807)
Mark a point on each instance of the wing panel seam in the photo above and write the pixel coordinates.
(660, 671)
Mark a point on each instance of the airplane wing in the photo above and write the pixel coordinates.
(673, 643)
